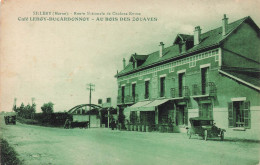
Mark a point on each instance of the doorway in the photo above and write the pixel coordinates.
(181, 115)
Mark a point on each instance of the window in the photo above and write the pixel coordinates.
(204, 79)
(181, 82)
(162, 87)
(146, 96)
(133, 91)
(205, 110)
(239, 114)
(123, 94)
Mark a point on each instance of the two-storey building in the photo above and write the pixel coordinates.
(213, 74)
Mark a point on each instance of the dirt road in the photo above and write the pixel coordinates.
(43, 145)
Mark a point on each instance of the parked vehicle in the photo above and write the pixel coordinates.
(205, 128)
(10, 119)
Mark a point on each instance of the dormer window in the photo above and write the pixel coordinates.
(137, 60)
(184, 42)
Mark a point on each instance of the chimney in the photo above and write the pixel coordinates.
(197, 33)
(161, 49)
(123, 63)
(224, 25)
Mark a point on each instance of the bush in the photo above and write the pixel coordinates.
(52, 119)
(27, 121)
(26, 112)
(8, 154)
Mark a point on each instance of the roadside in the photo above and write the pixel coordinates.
(46, 145)
(8, 154)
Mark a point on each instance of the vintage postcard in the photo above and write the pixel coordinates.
(112, 82)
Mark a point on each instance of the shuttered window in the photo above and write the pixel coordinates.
(147, 89)
(162, 87)
(239, 114)
(133, 91)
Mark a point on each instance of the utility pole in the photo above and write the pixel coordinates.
(33, 99)
(14, 106)
(90, 87)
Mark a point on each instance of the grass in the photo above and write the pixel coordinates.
(8, 154)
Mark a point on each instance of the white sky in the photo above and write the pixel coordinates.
(53, 61)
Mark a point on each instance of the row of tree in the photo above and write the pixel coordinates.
(29, 111)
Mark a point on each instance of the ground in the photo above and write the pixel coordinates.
(97, 146)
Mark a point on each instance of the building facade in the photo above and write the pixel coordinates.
(213, 74)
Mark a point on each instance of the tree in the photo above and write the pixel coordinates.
(47, 108)
(20, 110)
(33, 110)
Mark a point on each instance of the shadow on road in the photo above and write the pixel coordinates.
(235, 140)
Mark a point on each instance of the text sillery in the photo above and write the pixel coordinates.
(54, 16)
(82, 19)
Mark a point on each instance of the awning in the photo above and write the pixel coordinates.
(155, 103)
(146, 105)
(137, 106)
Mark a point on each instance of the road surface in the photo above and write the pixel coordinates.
(44, 145)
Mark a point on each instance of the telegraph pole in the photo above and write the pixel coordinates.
(33, 99)
(90, 87)
(14, 106)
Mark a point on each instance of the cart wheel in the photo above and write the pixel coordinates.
(221, 135)
(189, 133)
(205, 135)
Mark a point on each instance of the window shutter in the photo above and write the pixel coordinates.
(230, 115)
(247, 115)
(200, 110)
(138, 91)
(141, 91)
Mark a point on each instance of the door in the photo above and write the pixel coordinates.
(181, 115)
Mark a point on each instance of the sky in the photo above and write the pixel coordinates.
(54, 61)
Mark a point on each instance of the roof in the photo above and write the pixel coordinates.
(208, 39)
(251, 78)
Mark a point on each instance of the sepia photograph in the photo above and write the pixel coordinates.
(112, 82)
